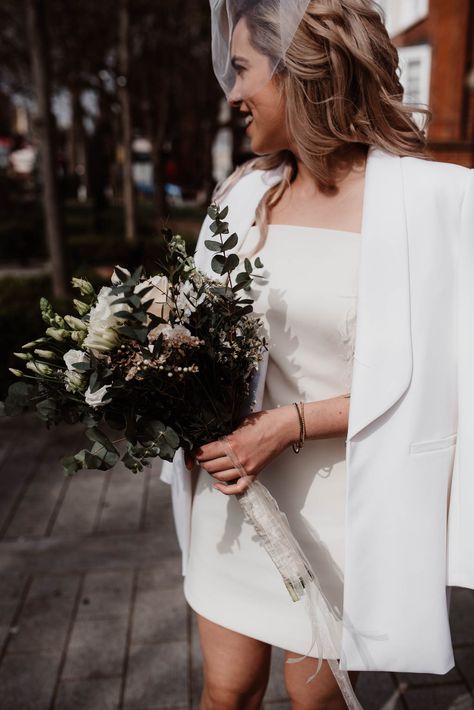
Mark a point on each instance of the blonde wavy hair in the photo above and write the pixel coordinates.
(341, 85)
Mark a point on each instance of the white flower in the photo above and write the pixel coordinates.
(159, 293)
(96, 399)
(102, 335)
(188, 299)
(115, 279)
(171, 332)
(75, 357)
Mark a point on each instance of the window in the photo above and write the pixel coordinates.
(401, 14)
(415, 66)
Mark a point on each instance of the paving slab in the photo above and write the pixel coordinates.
(462, 615)
(46, 615)
(27, 681)
(96, 649)
(158, 676)
(159, 614)
(92, 611)
(448, 697)
(97, 694)
(465, 665)
(105, 595)
(124, 500)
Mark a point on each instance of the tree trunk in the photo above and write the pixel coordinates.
(124, 62)
(159, 177)
(36, 25)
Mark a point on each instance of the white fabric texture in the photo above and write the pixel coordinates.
(308, 306)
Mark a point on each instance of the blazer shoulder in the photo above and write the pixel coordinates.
(446, 181)
(435, 171)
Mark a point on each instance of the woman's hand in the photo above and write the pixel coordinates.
(258, 439)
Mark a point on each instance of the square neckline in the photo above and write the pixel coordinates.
(316, 229)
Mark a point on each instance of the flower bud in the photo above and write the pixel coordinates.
(17, 373)
(78, 336)
(74, 381)
(39, 368)
(33, 343)
(81, 307)
(58, 334)
(75, 323)
(84, 286)
(46, 354)
(24, 356)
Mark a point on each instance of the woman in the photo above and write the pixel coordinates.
(363, 269)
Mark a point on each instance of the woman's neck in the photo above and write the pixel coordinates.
(344, 167)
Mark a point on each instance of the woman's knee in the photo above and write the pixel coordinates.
(322, 693)
(215, 697)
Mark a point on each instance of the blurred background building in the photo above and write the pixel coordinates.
(435, 39)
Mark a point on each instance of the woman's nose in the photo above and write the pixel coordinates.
(234, 99)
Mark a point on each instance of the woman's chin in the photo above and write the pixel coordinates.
(260, 146)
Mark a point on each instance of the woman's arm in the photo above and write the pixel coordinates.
(262, 436)
(323, 419)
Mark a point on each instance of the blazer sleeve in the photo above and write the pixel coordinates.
(460, 568)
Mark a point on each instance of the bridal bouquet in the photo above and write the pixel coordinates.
(165, 361)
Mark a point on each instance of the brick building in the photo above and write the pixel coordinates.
(436, 46)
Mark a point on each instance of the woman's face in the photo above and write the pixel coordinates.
(257, 95)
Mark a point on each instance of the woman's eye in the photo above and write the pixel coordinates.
(239, 70)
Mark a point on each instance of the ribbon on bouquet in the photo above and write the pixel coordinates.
(271, 525)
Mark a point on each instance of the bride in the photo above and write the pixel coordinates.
(366, 245)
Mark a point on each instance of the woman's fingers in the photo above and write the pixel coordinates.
(229, 474)
(188, 460)
(223, 463)
(230, 490)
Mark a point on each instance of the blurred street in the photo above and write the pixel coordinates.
(92, 614)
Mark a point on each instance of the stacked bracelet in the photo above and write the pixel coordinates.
(298, 445)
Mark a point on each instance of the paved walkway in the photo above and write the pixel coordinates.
(92, 614)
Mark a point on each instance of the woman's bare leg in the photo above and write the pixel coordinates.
(236, 668)
(323, 693)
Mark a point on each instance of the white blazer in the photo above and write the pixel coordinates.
(410, 440)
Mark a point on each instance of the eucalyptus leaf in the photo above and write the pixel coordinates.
(218, 263)
(107, 457)
(47, 409)
(231, 263)
(213, 246)
(126, 315)
(95, 434)
(137, 273)
(231, 242)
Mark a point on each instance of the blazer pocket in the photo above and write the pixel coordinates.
(419, 447)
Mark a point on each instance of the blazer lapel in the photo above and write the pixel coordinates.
(383, 359)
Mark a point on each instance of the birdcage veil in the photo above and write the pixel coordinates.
(270, 26)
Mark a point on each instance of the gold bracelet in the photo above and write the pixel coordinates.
(298, 445)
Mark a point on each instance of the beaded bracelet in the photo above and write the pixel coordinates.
(298, 445)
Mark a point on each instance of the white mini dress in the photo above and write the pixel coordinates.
(307, 303)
